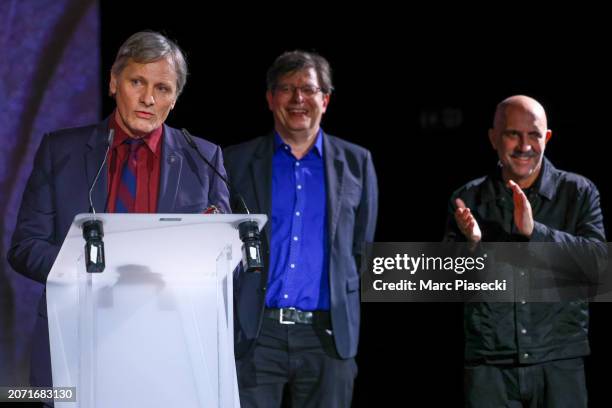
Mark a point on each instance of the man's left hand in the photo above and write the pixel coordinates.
(523, 217)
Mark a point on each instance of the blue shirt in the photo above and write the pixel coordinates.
(298, 273)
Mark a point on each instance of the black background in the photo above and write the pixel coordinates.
(420, 93)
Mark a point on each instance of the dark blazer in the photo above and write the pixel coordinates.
(352, 205)
(57, 190)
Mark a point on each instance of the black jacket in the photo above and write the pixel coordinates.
(566, 210)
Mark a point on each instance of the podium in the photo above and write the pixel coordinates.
(155, 329)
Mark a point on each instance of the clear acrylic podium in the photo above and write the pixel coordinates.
(155, 329)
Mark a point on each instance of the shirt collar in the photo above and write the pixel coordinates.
(152, 140)
(547, 182)
(318, 145)
(545, 185)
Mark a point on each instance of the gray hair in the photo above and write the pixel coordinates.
(298, 60)
(148, 46)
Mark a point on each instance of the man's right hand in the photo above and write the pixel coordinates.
(466, 222)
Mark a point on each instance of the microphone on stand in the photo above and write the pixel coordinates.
(92, 229)
(248, 230)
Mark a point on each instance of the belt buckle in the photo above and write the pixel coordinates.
(280, 318)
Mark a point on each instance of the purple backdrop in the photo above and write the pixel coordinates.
(49, 79)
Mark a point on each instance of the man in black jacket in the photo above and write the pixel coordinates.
(522, 353)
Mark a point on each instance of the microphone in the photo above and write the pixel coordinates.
(109, 143)
(94, 246)
(92, 229)
(248, 230)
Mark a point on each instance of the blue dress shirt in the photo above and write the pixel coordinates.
(298, 273)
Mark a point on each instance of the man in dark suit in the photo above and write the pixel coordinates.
(150, 168)
(297, 322)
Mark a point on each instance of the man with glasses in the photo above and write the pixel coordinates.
(297, 322)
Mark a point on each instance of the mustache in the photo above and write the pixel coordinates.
(524, 155)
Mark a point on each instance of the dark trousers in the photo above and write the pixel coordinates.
(302, 357)
(553, 384)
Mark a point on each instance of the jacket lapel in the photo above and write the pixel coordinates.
(261, 170)
(334, 177)
(171, 165)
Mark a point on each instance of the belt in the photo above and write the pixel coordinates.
(291, 315)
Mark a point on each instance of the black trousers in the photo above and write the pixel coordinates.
(553, 384)
(301, 358)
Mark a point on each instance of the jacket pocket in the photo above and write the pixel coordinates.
(352, 284)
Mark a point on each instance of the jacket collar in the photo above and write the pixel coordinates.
(545, 185)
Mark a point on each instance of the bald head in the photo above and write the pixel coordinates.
(522, 103)
(519, 135)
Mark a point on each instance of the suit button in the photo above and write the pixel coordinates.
(263, 289)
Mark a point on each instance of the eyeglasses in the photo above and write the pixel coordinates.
(307, 91)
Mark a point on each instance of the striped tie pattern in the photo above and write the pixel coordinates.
(126, 195)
